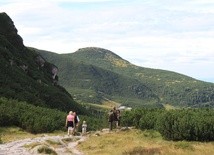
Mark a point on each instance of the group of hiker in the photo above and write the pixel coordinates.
(114, 117)
(72, 122)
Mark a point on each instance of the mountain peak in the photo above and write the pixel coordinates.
(96, 51)
(96, 55)
(8, 29)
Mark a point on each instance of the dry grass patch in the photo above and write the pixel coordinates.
(40, 148)
(46, 150)
(184, 145)
(32, 145)
(54, 143)
(70, 139)
(140, 142)
(9, 134)
(142, 151)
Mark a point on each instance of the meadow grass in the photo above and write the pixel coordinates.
(141, 142)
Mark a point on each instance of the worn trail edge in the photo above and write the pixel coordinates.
(60, 144)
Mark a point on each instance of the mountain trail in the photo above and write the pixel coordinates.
(65, 145)
(45, 144)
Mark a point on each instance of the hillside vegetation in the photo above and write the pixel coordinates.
(35, 119)
(180, 124)
(96, 74)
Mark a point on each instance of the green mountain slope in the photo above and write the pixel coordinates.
(26, 75)
(93, 84)
(95, 74)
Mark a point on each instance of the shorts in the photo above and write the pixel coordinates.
(70, 124)
(70, 128)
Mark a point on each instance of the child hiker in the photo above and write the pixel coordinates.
(84, 126)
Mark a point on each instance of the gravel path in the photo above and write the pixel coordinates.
(62, 145)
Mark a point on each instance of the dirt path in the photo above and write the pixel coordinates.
(60, 144)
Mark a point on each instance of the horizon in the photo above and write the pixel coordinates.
(169, 35)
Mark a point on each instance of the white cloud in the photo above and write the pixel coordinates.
(173, 35)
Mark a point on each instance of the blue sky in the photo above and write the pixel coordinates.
(174, 35)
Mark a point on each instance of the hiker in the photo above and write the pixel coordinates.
(76, 122)
(118, 118)
(110, 119)
(69, 123)
(84, 127)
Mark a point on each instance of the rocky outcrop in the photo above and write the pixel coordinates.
(40, 60)
(51, 68)
(24, 67)
(54, 71)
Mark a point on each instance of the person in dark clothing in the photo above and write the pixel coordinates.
(111, 119)
(116, 113)
(76, 122)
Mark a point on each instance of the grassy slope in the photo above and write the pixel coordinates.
(93, 84)
(169, 87)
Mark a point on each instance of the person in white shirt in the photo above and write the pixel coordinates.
(84, 127)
